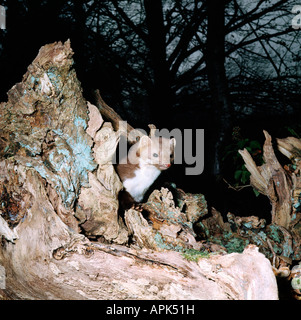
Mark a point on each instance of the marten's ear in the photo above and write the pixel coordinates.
(145, 141)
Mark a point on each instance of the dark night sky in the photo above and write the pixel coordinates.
(157, 73)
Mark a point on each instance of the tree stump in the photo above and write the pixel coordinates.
(282, 185)
(61, 234)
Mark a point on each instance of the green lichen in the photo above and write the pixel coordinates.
(188, 254)
(161, 243)
(275, 233)
(236, 245)
(34, 150)
(296, 283)
(195, 255)
(55, 78)
(287, 250)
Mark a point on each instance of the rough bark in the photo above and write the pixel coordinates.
(215, 64)
(282, 185)
(62, 237)
(273, 181)
(161, 95)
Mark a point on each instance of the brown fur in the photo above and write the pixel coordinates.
(145, 149)
(126, 171)
(126, 201)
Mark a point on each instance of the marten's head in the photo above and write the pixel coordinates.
(156, 151)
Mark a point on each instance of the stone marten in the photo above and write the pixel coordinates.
(145, 161)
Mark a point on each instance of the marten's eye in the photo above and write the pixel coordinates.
(155, 155)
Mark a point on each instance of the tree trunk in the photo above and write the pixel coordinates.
(161, 96)
(62, 237)
(215, 60)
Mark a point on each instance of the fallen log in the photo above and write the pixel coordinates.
(61, 234)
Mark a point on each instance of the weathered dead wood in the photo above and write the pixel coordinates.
(165, 226)
(111, 115)
(49, 261)
(57, 179)
(282, 185)
(291, 147)
(273, 181)
(97, 206)
(274, 241)
(125, 129)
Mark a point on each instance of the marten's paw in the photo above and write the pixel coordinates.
(137, 206)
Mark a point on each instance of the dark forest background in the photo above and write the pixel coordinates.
(231, 67)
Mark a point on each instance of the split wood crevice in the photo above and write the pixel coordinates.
(63, 238)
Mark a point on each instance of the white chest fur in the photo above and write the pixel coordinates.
(143, 179)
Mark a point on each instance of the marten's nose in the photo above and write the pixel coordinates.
(167, 165)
